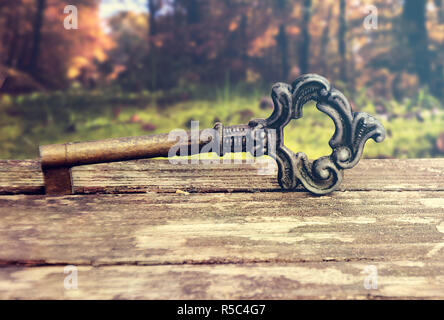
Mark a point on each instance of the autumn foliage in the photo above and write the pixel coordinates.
(38, 53)
(211, 41)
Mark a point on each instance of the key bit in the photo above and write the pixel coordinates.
(258, 137)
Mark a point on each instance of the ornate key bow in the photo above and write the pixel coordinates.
(324, 175)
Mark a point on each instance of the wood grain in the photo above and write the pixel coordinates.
(221, 227)
(25, 177)
(331, 280)
(137, 238)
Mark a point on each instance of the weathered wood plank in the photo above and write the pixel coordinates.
(333, 280)
(158, 244)
(160, 176)
(200, 228)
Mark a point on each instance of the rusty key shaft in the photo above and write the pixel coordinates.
(58, 159)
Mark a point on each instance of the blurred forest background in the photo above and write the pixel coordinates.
(149, 66)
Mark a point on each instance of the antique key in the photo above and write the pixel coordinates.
(258, 137)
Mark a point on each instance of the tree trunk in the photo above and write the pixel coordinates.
(414, 23)
(244, 43)
(36, 38)
(283, 48)
(152, 8)
(304, 48)
(13, 47)
(11, 39)
(193, 11)
(325, 38)
(342, 42)
(280, 7)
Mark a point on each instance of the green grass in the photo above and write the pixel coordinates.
(29, 121)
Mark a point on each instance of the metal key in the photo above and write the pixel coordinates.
(258, 137)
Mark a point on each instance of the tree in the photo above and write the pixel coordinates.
(342, 47)
(194, 11)
(325, 38)
(304, 47)
(132, 50)
(282, 38)
(37, 35)
(414, 24)
(153, 7)
(34, 43)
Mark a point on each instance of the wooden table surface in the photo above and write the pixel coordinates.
(148, 229)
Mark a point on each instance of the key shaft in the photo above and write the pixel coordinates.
(58, 159)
